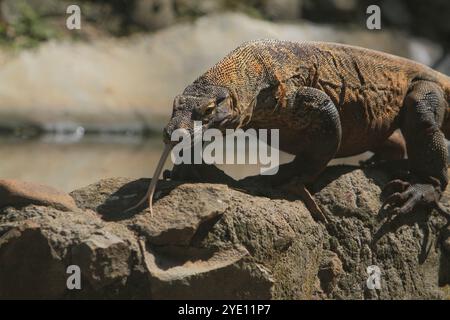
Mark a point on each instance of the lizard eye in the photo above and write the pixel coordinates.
(205, 111)
(219, 100)
(209, 110)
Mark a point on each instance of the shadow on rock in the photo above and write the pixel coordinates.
(115, 206)
(393, 223)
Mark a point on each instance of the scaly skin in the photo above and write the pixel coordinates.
(367, 87)
(329, 100)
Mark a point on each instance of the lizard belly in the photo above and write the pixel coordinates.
(365, 127)
(358, 134)
(351, 145)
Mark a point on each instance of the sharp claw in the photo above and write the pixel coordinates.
(409, 205)
(393, 186)
(397, 198)
(393, 199)
(309, 201)
(412, 195)
(311, 204)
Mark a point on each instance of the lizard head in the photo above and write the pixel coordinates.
(212, 105)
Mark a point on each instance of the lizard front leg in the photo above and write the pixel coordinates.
(319, 141)
(427, 151)
(317, 122)
(319, 135)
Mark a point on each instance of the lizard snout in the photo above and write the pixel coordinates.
(176, 123)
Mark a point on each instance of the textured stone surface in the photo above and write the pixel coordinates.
(30, 267)
(21, 193)
(405, 248)
(214, 241)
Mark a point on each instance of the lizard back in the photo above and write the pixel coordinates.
(368, 87)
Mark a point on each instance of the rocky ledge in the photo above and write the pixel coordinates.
(215, 241)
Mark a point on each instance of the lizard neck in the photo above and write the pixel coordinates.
(243, 72)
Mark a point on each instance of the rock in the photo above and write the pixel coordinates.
(183, 213)
(283, 9)
(103, 257)
(20, 193)
(12, 11)
(196, 8)
(362, 234)
(199, 278)
(38, 245)
(210, 240)
(329, 11)
(153, 14)
(178, 237)
(89, 197)
(329, 272)
(30, 267)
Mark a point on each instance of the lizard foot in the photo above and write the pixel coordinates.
(403, 197)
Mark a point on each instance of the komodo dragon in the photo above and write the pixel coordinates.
(327, 100)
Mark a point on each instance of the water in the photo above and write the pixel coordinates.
(68, 163)
(68, 166)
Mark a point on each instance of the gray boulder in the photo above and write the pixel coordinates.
(216, 241)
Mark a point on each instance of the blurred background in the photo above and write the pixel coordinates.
(80, 105)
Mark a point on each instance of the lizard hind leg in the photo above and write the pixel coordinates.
(427, 151)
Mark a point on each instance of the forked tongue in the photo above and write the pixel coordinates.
(152, 187)
(158, 170)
